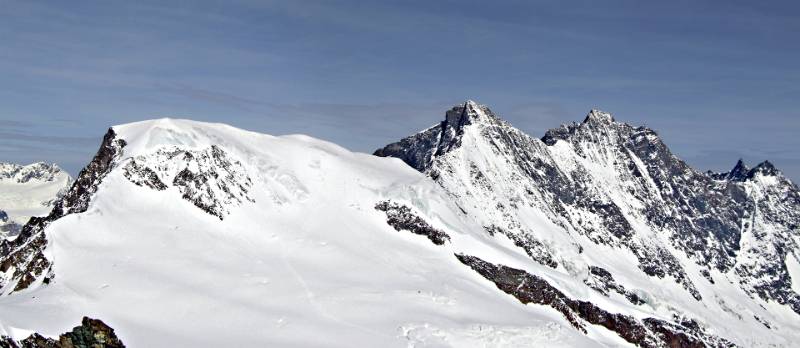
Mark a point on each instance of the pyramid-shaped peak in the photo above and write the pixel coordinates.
(765, 168)
(468, 112)
(739, 171)
(596, 115)
(740, 167)
(471, 103)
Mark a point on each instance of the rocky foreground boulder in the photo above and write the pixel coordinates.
(92, 333)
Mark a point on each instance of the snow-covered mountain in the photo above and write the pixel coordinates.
(609, 205)
(27, 191)
(182, 233)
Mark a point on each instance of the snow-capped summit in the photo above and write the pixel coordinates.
(27, 191)
(601, 187)
(39, 171)
(467, 113)
(183, 233)
(595, 115)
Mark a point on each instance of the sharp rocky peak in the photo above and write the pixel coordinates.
(419, 150)
(469, 112)
(765, 168)
(741, 172)
(740, 167)
(599, 125)
(595, 115)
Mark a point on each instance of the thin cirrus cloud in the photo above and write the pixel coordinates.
(718, 81)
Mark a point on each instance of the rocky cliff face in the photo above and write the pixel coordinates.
(23, 262)
(92, 333)
(602, 183)
(209, 179)
(596, 220)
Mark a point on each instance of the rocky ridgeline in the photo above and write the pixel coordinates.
(39, 171)
(649, 332)
(208, 178)
(22, 260)
(528, 288)
(769, 235)
(597, 183)
(92, 333)
(402, 218)
(525, 171)
(26, 184)
(620, 186)
(602, 281)
(535, 248)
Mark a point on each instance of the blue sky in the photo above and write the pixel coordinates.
(718, 80)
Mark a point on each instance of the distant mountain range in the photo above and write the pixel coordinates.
(27, 191)
(468, 233)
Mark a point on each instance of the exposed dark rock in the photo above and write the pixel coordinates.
(741, 172)
(11, 228)
(537, 250)
(419, 150)
(143, 176)
(702, 215)
(650, 332)
(22, 260)
(23, 174)
(602, 281)
(7, 342)
(402, 218)
(208, 178)
(571, 199)
(92, 333)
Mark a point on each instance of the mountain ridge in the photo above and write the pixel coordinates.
(620, 185)
(606, 235)
(27, 191)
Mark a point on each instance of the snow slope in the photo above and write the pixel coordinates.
(27, 191)
(300, 258)
(182, 233)
(607, 208)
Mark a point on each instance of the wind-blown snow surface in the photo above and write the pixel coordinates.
(297, 257)
(27, 191)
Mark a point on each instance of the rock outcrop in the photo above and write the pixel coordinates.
(92, 333)
(401, 218)
(617, 186)
(22, 260)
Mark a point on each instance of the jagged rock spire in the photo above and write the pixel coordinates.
(420, 149)
(739, 172)
(765, 168)
(469, 112)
